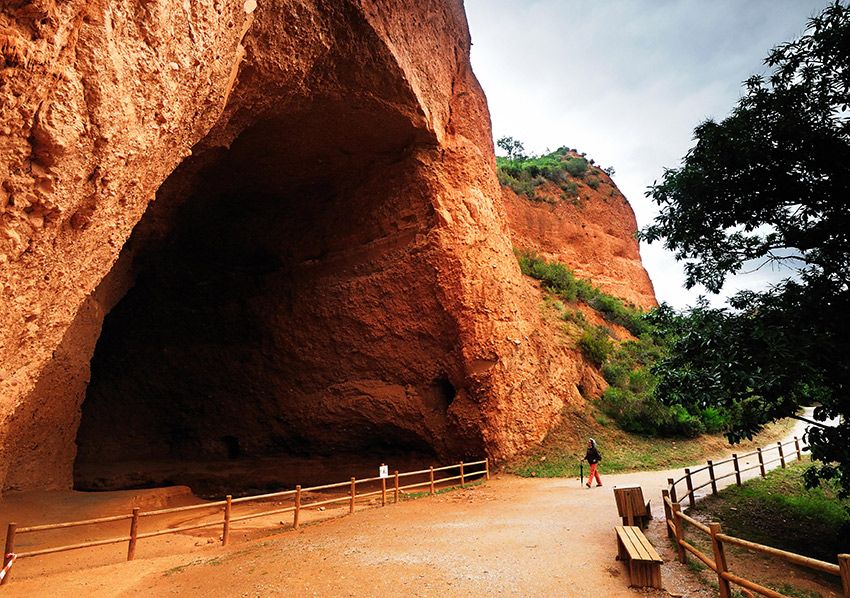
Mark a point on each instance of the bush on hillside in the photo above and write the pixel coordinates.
(576, 166)
(524, 173)
(596, 345)
(631, 399)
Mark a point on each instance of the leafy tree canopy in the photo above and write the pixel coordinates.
(770, 183)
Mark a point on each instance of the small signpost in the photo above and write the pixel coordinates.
(384, 471)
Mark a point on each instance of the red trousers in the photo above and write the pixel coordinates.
(592, 473)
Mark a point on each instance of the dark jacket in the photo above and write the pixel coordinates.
(592, 455)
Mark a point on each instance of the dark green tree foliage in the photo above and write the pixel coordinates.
(770, 183)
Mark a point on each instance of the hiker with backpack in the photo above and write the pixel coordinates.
(593, 457)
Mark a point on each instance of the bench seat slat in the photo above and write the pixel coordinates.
(650, 549)
(634, 534)
(636, 544)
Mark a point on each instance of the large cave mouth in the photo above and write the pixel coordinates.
(284, 324)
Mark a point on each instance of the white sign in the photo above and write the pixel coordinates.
(384, 471)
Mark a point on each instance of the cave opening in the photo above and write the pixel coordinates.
(283, 324)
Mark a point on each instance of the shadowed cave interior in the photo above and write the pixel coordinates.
(283, 324)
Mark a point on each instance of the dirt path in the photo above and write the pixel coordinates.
(512, 536)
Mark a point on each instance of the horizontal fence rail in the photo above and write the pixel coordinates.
(713, 471)
(466, 472)
(675, 521)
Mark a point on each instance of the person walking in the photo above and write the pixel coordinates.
(593, 458)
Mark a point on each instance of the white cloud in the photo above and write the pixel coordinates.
(626, 81)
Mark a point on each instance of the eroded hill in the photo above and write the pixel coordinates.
(242, 230)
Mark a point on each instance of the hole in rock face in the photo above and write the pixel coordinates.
(284, 324)
(231, 443)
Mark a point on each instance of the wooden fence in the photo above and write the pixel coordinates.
(711, 469)
(465, 472)
(676, 520)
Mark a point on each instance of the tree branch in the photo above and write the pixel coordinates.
(809, 421)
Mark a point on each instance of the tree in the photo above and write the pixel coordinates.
(513, 148)
(770, 184)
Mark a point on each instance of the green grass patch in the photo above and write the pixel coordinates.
(780, 511)
(559, 453)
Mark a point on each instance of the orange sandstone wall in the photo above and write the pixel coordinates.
(107, 106)
(594, 235)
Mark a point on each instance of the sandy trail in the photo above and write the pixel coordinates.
(512, 536)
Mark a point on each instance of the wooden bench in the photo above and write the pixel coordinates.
(643, 561)
(631, 507)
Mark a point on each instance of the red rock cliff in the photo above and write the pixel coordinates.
(594, 234)
(255, 227)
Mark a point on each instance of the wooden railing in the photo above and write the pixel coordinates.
(466, 473)
(675, 521)
(711, 469)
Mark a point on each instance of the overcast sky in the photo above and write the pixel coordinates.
(626, 81)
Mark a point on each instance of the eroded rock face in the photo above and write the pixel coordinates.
(326, 266)
(326, 261)
(593, 234)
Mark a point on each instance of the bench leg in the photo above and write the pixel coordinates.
(645, 574)
(622, 555)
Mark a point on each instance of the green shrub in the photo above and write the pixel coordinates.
(616, 374)
(679, 422)
(596, 345)
(641, 381)
(714, 419)
(593, 182)
(575, 317)
(569, 189)
(524, 173)
(563, 283)
(555, 276)
(576, 166)
(633, 413)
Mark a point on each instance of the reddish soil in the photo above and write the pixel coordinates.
(594, 234)
(512, 536)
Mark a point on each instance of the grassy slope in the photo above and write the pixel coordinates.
(779, 511)
(558, 454)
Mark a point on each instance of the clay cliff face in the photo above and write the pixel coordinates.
(255, 228)
(594, 234)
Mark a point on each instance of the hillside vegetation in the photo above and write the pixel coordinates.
(627, 365)
(564, 167)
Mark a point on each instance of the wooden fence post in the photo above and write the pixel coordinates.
(461, 475)
(781, 455)
(737, 469)
(383, 492)
(668, 515)
(719, 561)
(9, 549)
(761, 462)
(395, 475)
(711, 476)
(487, 468)
(690, 484)
(672, 484)
(680, 533)
(297, 513)
(843, 565)
(353, 494)
(797, 446)
(134, 530)
(228, 507)
(432, 481)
